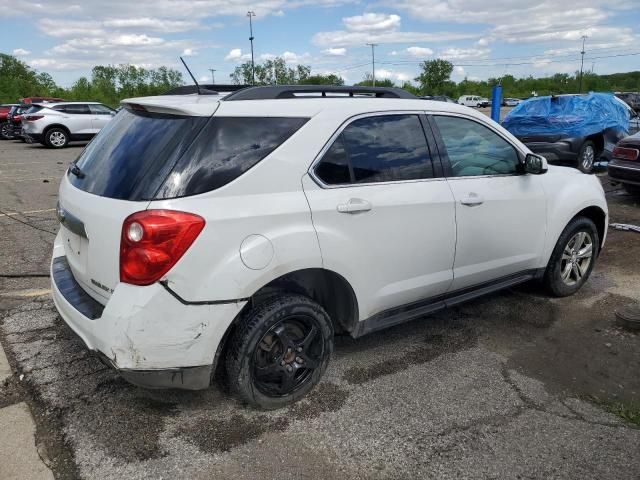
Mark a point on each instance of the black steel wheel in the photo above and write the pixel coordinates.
(279, 351)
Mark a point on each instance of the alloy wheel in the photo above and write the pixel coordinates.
(588, 158)
(576, 258)
(287, 355)
(57, 139)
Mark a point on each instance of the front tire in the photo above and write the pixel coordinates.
(573, 258)
(587, 157)
(279, 351)
(56, 138)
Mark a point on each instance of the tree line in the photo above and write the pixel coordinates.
(111, 83)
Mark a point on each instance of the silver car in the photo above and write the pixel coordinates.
(56, 124)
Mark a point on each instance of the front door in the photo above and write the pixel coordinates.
(500, 213)
(385, 219)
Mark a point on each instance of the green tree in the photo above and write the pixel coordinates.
(368, 82)
(319, 79)
(435, 76)
(271, 72)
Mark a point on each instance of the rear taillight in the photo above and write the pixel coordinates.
(33, 118)
(624, 153)
(153, 241)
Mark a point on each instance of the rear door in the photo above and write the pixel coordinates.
(382, 211)
(500, 213)
(77, 118)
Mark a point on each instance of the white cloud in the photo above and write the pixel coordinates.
(458, 71)
(189, 52)
(158, 24)
(419, 52)
(335, 52)
(372, 22)
(21, 52)
(342, 37)
(384, 74)
(523, 21)
(236, 55)
(464, 53)
(291, 57)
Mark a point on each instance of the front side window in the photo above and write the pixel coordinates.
(381, 148)
(98, 109)
(77, 109)
(474, 149)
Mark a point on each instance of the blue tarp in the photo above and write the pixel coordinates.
(572, 115)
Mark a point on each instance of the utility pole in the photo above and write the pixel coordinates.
(213, 78)
(250, 14)
(373, 62)
(584, 37)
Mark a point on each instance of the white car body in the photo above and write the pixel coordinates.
(470, 100)
(80, 120)
(411, 240)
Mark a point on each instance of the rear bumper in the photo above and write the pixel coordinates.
(33, 137)
(144, 333)
(624, 172)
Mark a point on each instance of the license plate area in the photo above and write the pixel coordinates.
(76, 249)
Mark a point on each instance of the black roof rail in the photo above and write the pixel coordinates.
(300, 91)
(205, 89)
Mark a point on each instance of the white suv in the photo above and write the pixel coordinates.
(244, 231)
(56, 124)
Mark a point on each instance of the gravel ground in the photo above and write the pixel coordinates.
(502, 387)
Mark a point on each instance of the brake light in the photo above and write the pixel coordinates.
(624, 153)
(33, 118)
(153, 241)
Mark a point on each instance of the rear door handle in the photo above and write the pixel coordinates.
(354, 205)
(472, 199)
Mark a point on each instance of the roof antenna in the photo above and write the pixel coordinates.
(191, 74)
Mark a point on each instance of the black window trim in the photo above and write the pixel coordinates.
(437, 172)
(444, 156)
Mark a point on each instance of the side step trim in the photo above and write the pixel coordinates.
(412, 311)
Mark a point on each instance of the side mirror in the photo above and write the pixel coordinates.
(535, 164)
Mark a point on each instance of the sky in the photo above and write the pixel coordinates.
(483, 39)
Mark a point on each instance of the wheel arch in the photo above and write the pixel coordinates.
(598, 217)
(56, 125)
(326, 287)
(598, 141)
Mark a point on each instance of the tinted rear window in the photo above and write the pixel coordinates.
(143, 156)
(226, 148)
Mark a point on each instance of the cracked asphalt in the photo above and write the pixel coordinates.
(509, 386)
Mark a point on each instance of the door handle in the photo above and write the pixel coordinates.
(354, 205)
(472, 199)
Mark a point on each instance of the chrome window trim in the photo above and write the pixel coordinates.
(336, 134)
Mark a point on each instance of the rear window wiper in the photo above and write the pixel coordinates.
(75, 169)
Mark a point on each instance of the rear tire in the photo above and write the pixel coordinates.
(279, 351)
(632, 189)
(587, 157)
(573, 258)
(56, 138)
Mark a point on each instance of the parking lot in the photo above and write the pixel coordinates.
(515, 385)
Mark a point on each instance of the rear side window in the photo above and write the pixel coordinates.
(76, 109)
(226, 148)
(381, 148)
(100, 109)
(145, 156)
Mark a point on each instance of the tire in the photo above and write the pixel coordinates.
(566, 257)
(56, 138)
(632, 189)
(270, 348)
(4, 131)
(586, 157)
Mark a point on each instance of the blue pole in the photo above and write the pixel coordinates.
(496, 103)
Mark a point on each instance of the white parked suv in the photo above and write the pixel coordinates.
(56, 124)
(244, 231)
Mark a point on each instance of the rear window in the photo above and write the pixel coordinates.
(146, 156)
